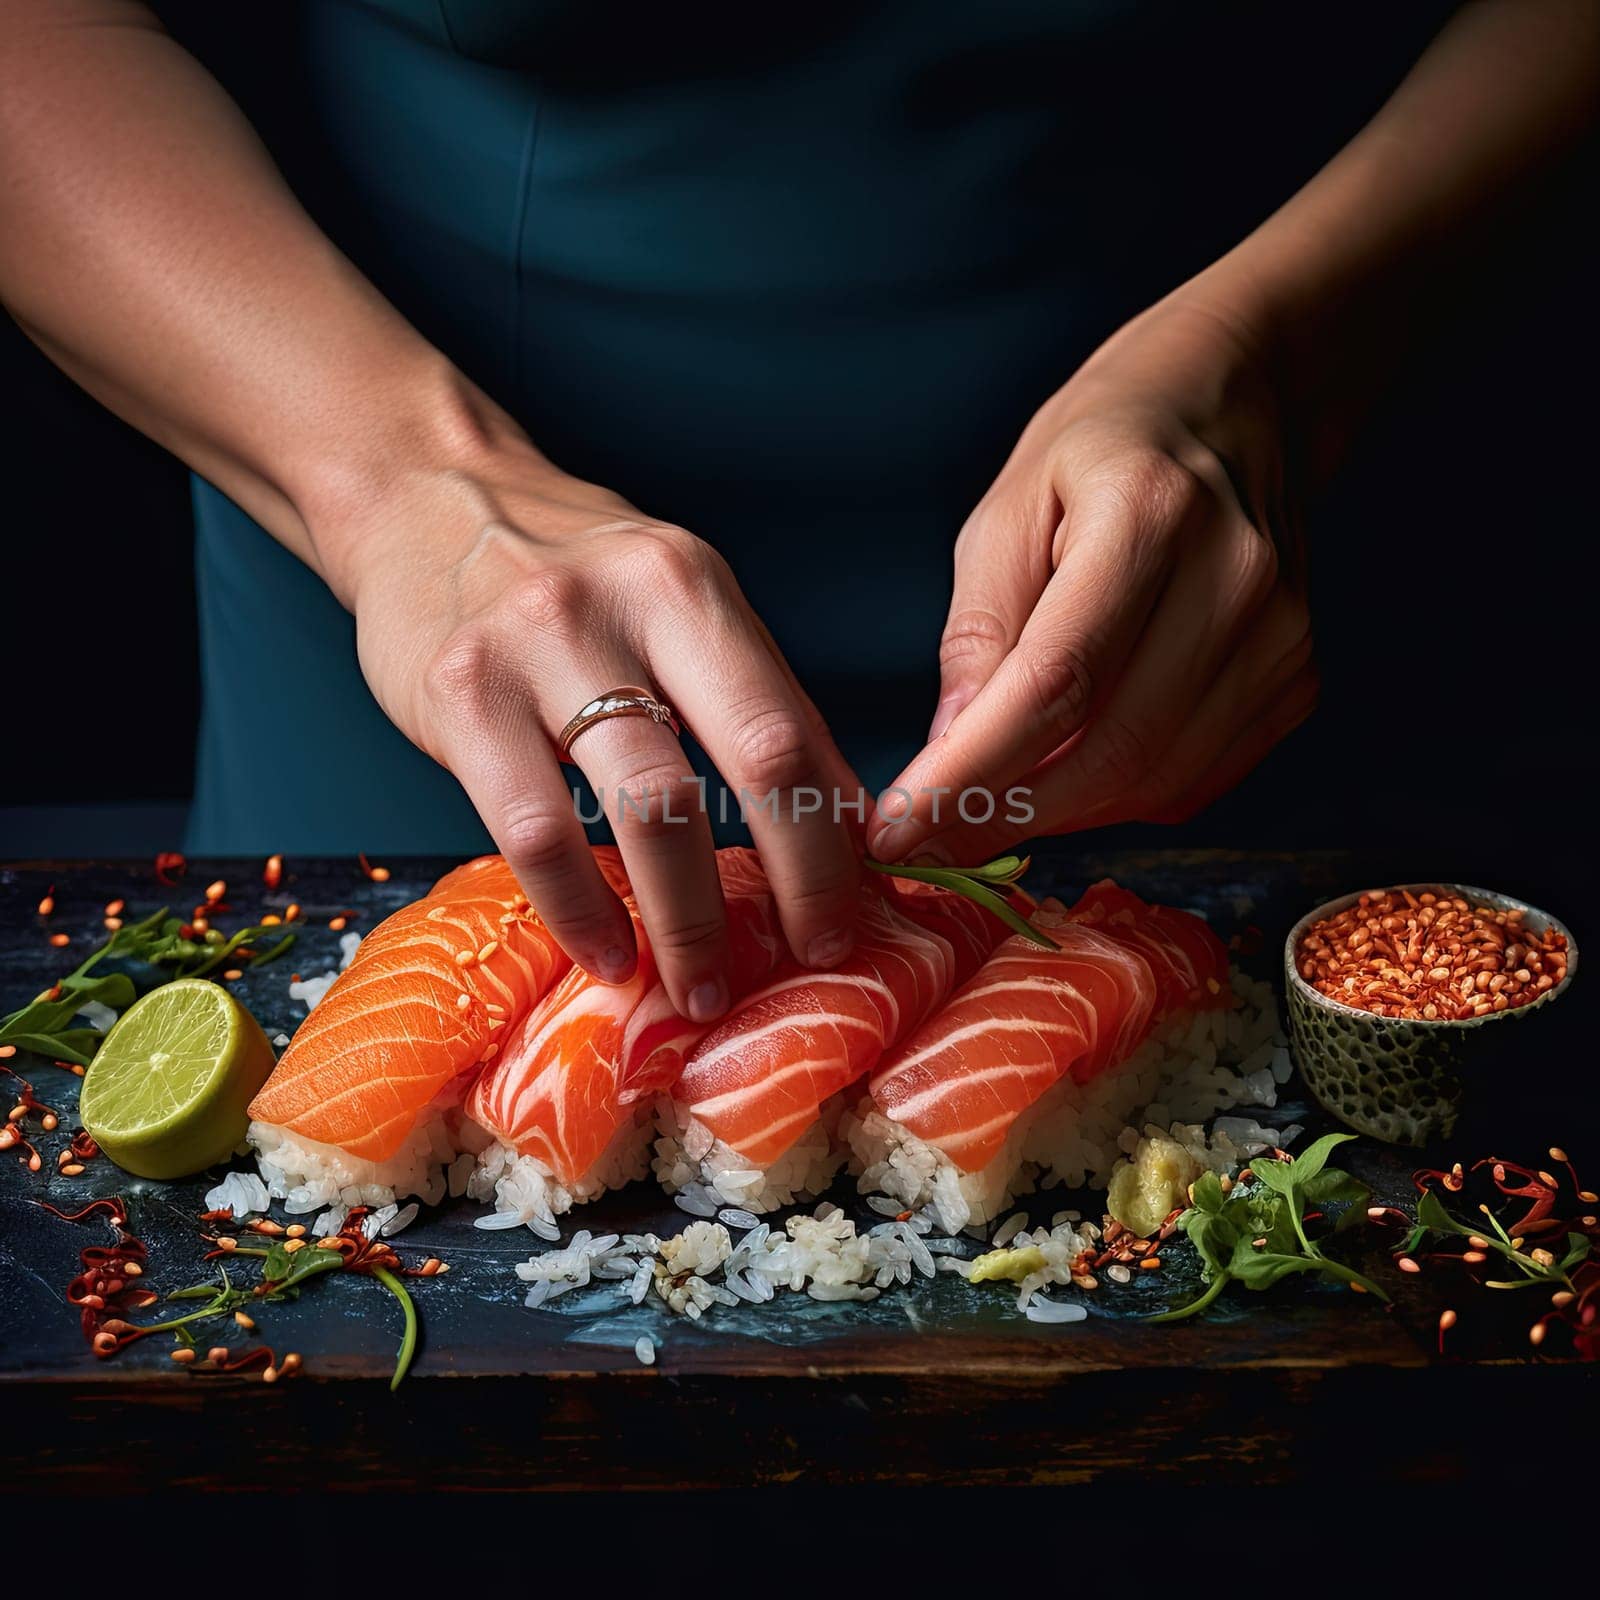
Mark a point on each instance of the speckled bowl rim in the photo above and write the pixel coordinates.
(1541, 921)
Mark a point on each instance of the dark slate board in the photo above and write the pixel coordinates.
(932, 1381)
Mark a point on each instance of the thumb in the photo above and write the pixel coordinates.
(1002, 564)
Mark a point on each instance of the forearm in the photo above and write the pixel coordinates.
(1332, 285)
(149, 246)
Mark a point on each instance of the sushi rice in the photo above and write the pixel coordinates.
(1075, 1136)
(1071, 1136)
(705, 1174)
(525, 1192)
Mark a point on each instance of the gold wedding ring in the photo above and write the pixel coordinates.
(628, 701)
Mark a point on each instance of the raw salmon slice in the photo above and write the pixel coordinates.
(1189, 961)
(552, 1090)
(560, 1089)
(657, 1040)
(758, 1080)
(971, 932)
(412, 1012)
(1026, 1019)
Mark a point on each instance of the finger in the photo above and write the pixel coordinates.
(1156, 753)
(1274, 653)
(1002, 565)
(763, 737)
(1068, 656)
(488, 735)
(1219, 587)
(839, 777)
(1293, 704)
(654, 803)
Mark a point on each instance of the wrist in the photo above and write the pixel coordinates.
(420, 459)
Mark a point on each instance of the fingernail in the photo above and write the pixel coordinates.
(943, 715)
(890, 844)
(616, 965)
(707, 1001)
(828, 949)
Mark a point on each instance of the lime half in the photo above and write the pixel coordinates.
(167, 1090)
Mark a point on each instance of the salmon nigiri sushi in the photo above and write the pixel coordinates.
(1033, 1069)
(364, 1106)
(569, 1097)
(751, 1121)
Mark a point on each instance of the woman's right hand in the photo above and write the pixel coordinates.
(493, 597)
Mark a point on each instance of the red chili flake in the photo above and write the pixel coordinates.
(272, 873)
(222, 1214)
(170, 866)
(83, 1145)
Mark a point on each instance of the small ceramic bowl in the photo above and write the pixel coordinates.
(1401, 1080)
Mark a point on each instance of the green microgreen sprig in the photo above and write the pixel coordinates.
(982, 885)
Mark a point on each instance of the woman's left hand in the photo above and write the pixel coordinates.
(1128, 634)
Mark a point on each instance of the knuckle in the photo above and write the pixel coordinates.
(654, 798)
(1057, 685)
(552, 601)
(463, 671)
(987, 519)
(1149, 486)
(1122, 759)
(1258, 564)
(972, 632)
(537, 843)
(694, 937)
(821, 901)
(661, 556)
(772, 751)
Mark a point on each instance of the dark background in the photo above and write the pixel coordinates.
(1451, 581)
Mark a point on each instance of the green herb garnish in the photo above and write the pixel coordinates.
(983, 885)
(1257, 1235)
(281, 1277)
(283, 1273)
(46, 1027)
(408, 1340)
(1538, 1267)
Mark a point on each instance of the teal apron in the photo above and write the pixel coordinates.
(797, 290)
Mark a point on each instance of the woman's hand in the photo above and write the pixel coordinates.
(495, 598)
(1128, 634)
